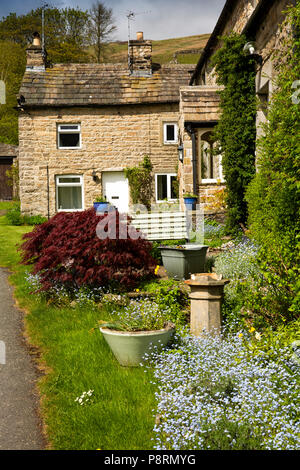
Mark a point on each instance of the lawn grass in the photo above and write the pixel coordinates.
(75, 359)
(4, 205)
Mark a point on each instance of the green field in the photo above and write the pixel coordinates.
(163, 51)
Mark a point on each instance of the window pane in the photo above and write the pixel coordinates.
(162, 187)
(170, 132)
(174, 187)
(69, 140)
(70, 198)
(74, 179)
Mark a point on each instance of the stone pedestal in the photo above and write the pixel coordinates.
(206, 298)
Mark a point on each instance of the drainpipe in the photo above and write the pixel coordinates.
(48, 195)
(192, 133)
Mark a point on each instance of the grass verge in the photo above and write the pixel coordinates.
(74, 360)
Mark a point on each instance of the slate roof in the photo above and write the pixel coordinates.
(102, 84)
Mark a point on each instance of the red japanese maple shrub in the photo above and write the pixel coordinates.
(67, 251)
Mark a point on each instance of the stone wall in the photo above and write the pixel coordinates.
(113, 138)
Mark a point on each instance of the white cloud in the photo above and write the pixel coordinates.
(165, 18)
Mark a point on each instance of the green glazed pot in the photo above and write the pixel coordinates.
(129, 347)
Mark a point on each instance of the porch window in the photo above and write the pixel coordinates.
(69, 193)
(166, 187)
(211, 164)
(170, 133)
(68, 136)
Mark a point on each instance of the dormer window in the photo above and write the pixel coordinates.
(68, 136)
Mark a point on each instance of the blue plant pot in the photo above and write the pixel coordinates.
(101, 206)
(190, 203)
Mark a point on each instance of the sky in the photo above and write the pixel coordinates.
(158, 19)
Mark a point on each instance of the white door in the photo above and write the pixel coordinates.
(116, 190)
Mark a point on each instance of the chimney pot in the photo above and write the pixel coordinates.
(140, 36)
(36, 39)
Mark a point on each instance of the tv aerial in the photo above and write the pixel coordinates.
(130, 17)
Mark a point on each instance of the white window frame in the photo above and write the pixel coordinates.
(169, 175)
(61, 130)
(170, 142)
(67, 185)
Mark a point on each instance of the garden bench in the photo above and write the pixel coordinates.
(162, 225)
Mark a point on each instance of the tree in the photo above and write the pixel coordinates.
(101, 27)
(67, 32)
(12, 66)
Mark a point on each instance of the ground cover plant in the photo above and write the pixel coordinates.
(216, 393)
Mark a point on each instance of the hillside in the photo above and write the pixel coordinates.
(187, 50)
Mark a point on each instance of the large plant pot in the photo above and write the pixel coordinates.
(181, 262)
(129, 348)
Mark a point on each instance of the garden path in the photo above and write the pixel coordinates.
(20, 426)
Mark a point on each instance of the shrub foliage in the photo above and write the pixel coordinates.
(274, 194)
(67, 251)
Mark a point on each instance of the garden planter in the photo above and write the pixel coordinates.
(190, 203)
(182, 261)
(101, 206)
(129, 347)
(206, 295)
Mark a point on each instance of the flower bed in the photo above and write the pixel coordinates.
(215, 393)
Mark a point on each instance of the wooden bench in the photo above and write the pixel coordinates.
(162, 225)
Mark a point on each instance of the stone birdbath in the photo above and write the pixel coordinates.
(206, 295)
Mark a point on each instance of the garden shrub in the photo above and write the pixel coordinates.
(140, 182)
(274, 194)
(239, 265)
(236, 129)
(14, 216)
(169, 295)
(67, 251)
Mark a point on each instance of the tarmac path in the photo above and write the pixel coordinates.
(20, 425)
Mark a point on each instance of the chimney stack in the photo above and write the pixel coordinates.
(140, 55)
(36, 57)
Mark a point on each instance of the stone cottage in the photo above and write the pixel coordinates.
(80, 125)
(201, 171)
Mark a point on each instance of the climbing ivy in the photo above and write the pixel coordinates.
(236, 129)
(140, 182)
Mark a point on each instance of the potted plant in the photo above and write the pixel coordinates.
(190, 200)
(180, 261)
(136, 329)
(101, 204)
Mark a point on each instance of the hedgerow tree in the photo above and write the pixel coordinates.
(236, 129)
(274, 194)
